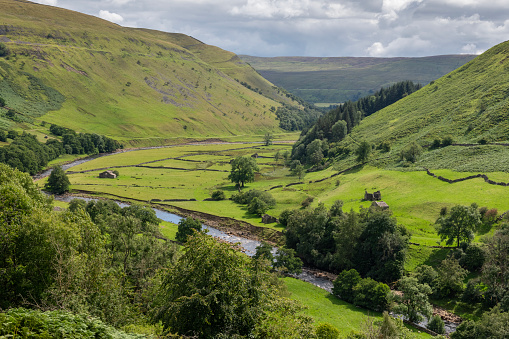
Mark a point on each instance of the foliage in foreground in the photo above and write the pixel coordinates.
(214, 290)
(56, 324)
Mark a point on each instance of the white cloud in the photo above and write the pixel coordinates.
(113, 17)
(120, 2)
(48, 2)
(471, 49)
(400, 46)
(272, 8)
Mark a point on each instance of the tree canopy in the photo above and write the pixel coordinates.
(58, 182)
(458, 224)
(243, 170)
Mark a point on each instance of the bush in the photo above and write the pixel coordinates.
(371, 294)
(4, 51)
(411, 152)
(447, 141)
(306, 202)
(345, 283)
(436, 324)
(473, 259)
(284, 216)
(2, 102)
(116, 173)
(218, 195)
(257, 206)
(473, 293)
(326, 331)
(246, 197)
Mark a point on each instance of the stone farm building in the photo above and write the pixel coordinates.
(107, 175)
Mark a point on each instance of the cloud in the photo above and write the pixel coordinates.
(113, 17)
(318, 27)
(48, 2)
(399, 47)
(471, 49)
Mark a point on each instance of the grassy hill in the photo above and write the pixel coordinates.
(469, 104)
(91, 75)
(333, 80)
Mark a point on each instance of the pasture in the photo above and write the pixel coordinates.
(185, 176)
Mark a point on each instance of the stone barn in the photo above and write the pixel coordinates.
(107, 175)
(380, 204)
(372, 196)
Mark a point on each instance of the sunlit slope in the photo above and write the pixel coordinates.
(468, 104)
(123, 82)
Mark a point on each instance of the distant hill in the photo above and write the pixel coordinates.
(333, 80)
(91, 75)
(468, 104)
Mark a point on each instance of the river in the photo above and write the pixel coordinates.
(248, 245)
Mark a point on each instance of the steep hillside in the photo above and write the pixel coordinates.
(469, 104)
(91, 75)
(332, 80)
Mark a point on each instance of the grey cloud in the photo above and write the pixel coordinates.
(320, 27)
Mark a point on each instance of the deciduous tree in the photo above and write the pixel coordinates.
(243, 170)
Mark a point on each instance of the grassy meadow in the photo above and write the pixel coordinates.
(193, 172)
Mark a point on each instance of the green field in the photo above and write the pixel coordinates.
(326, 308)
(193, 172)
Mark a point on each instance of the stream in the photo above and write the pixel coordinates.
(248, 245)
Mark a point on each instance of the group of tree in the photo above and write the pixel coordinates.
(337, 123)
(97, 259)
(258, 202)
(369, 241)
(29, 155)
(292, 118)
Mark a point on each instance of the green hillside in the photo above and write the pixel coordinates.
(469, 104)
(333, 80)
(91, 75)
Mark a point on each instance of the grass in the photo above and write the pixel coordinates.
(140, 86)
(326, 308)
(414, 197)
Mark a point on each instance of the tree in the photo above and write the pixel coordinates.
(298, 170)
(362, 152)
(287, 261)
(345, 283)
(212, 290)
(450, 277)
(264, 250)
(493, 324)
(267, 139)
(218, 195)
(411, 152)
(414, 300)
(3, 136)
(2, 102)
(436, 324)
(58, 182)
(243, 170)
(459, 224)
(187, 227)
(339, 130)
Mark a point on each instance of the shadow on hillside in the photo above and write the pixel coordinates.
(351, 307)
(437, 256)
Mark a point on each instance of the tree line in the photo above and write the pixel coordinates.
(29, 155)
(335, 125)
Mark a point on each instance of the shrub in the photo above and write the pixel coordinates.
(284, 216)
(257, 206)
(436, 324)
(473, 259)
(326, 331)
(116, 173)
(2, 102)
(436, 144)
(187, 227)
(246, 197)
(447, 141)
(411, 152)
(306, 202)
(473, 293)
(218, 195)
(4, 51)
(371, 294)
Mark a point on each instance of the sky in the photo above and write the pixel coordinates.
(320, 28)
